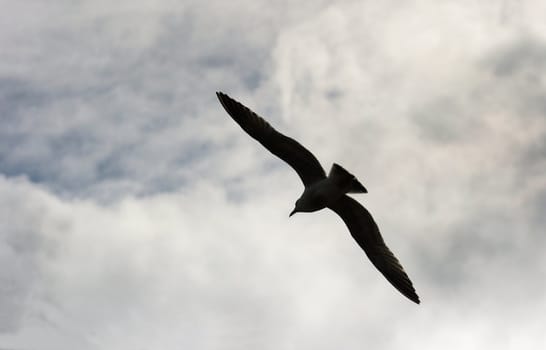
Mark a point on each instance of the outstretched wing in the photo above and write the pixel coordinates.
(366, 233)
(289, 150)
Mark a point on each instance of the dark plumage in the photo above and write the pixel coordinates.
(323, 191)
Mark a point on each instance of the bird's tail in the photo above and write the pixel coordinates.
(345, 179)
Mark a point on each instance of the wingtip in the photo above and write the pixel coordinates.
(224, 99)
(220, 94)
(413, 297)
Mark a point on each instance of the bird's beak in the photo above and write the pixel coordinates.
(292, 213)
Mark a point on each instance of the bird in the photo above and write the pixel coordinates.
(325, 191)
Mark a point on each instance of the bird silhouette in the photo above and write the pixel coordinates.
(325, 191)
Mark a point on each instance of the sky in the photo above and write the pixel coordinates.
(135, 214)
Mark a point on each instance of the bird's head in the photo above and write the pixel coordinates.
(297, 208)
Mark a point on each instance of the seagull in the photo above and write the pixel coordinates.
(325, 191)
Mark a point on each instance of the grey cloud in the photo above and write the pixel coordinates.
(526, 54)
(501, 192)
(445, 120)
(99, 101)
(95, 101)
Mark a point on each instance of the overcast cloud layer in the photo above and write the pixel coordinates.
(135, 214)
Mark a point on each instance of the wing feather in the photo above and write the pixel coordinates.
(289, 150)
(366, 233)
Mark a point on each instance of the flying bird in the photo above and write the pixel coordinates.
(325, 191)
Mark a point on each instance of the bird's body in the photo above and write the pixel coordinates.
(318, 195)
(325, 191)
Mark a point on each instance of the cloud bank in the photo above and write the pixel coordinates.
(136, 214)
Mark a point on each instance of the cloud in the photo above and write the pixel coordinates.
(97, 92)
(136, 214)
